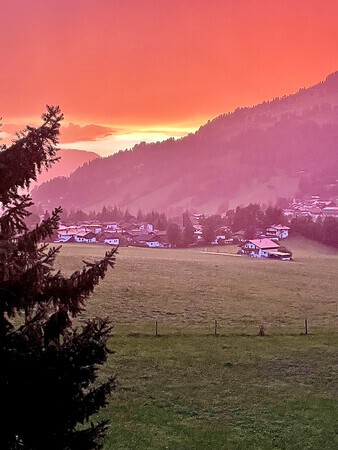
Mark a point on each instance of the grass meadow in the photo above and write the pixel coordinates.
(190, 389)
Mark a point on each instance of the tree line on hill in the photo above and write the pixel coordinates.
(251, 220)
(107, 214)
(273, 145)
(321, 230)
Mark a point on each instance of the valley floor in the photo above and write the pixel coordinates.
(191, 288)
(190, 389)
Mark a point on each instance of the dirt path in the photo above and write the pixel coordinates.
(221, 253)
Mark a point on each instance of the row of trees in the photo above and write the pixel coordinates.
(212, 226)
(321, 230)
(253, 217)
(250, 219)
(108, 214)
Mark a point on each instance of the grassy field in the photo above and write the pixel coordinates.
(189, 389)
(191, 392)
(187, 289)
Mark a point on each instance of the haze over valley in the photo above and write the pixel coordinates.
(278, 149)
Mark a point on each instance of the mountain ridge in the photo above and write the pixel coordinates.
(256, 153)
(70, 160)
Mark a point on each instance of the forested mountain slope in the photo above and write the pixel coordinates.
(255, 154)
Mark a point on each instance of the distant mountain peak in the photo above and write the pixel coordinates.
(70, 160)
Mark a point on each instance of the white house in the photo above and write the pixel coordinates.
(290, 212)
(148, 227)
(96, 228)
(279, 231)
(153, 244)
(259, 248)
(198, 234)
(110, 225)
(110, 239)
(64, 236)
(148, 240)
(217, 239)
(264, 248)
(330, 211)
(88, 237)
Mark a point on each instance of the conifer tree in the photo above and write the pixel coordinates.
(48, 368)
(189, 235)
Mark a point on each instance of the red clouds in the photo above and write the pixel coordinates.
(77, 133)
(69, 133)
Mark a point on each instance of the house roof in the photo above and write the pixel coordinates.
(67, 233)
(107, 236)
(111, 235)
(146, 238)
(95, 225)
(239, 233)
(264, 243)
(86, 234)
(134, 233)
(280, 227)
(160, 233)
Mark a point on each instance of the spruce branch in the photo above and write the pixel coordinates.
(33, 149)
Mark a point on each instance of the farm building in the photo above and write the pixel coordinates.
(279, 231)
(330, 211)
(85, 236)
(109, 238)
(147, 240)
(110, 225)
(64, 236)
(263, 248)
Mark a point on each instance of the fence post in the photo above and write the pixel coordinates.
(156, 328)
(216, 325)
(306, 326)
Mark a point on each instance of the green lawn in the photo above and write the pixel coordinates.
(188, 392)
(189, 389)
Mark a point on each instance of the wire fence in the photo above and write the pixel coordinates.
(216, 327)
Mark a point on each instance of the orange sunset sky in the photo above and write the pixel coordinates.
(126, 71)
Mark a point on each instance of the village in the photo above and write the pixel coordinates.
(313, 207)
(144, 235)
(262, 243)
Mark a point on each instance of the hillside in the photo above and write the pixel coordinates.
(70, 160)
(261, 153)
